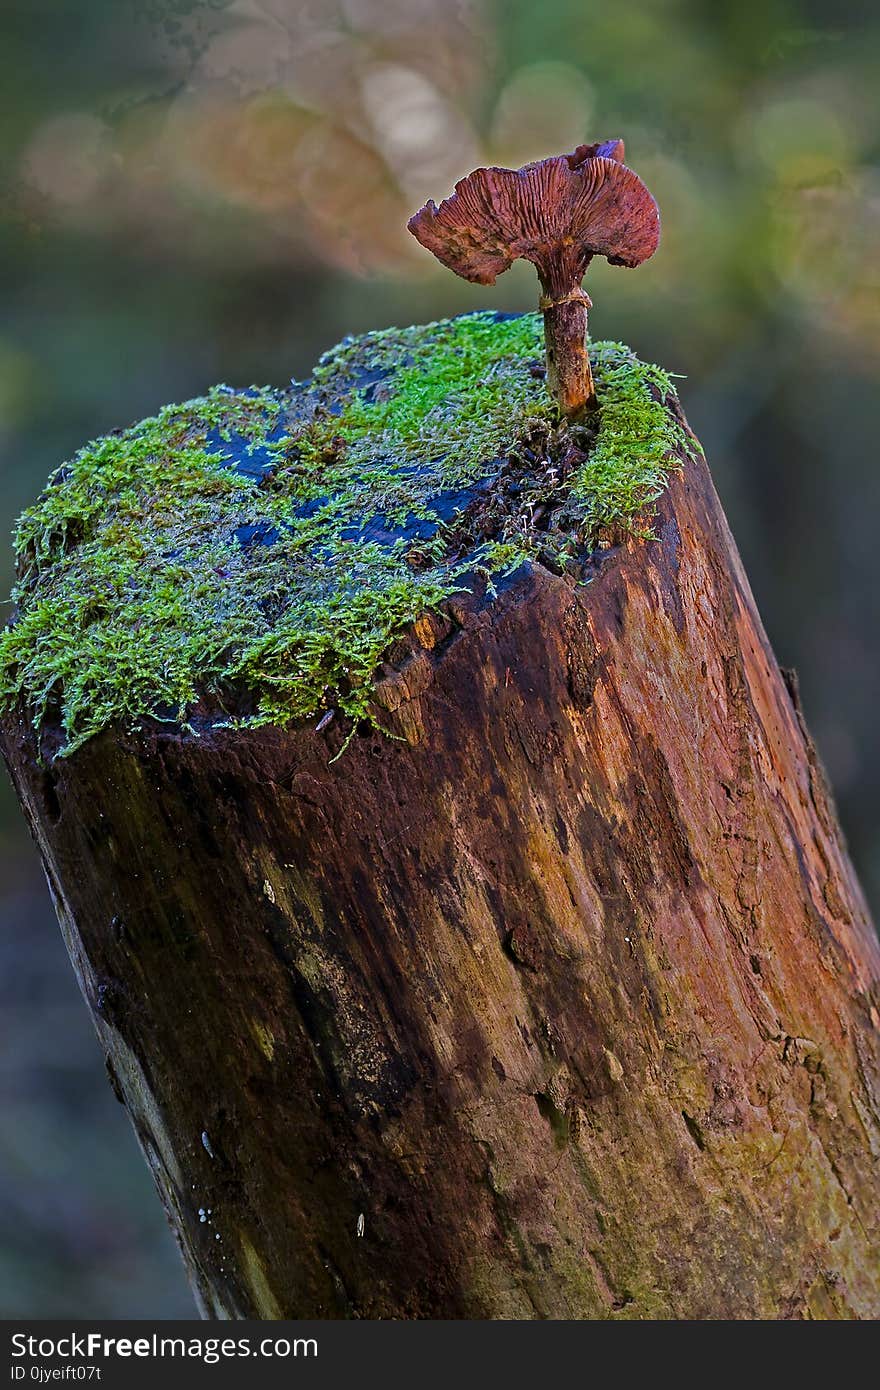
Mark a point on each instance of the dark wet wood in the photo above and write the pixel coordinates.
(565, 1006)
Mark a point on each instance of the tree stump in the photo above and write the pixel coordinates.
(561, 1002)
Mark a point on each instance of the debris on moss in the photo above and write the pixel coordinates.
(250, 556)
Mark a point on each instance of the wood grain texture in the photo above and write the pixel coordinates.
(571, 994)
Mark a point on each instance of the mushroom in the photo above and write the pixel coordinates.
(558, 213)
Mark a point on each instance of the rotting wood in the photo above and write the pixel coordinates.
(563, 1004)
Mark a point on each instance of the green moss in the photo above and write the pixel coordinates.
(249, 557)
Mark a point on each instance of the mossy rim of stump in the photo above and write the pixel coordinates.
(249, 557)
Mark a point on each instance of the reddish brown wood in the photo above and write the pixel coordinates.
(568, 1000)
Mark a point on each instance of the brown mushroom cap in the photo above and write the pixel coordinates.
(558, 213)
(611, 149)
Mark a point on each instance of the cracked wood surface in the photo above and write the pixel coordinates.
(565, 1006)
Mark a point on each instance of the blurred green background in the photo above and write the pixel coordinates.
(193, 192)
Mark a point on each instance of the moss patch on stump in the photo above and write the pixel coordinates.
(250, 556)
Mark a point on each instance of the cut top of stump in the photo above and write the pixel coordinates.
(250, 557)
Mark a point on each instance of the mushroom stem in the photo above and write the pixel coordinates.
(569, 376)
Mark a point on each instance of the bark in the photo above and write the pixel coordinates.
(564, 1006)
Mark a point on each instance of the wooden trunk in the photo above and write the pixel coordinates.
(563, 1004)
